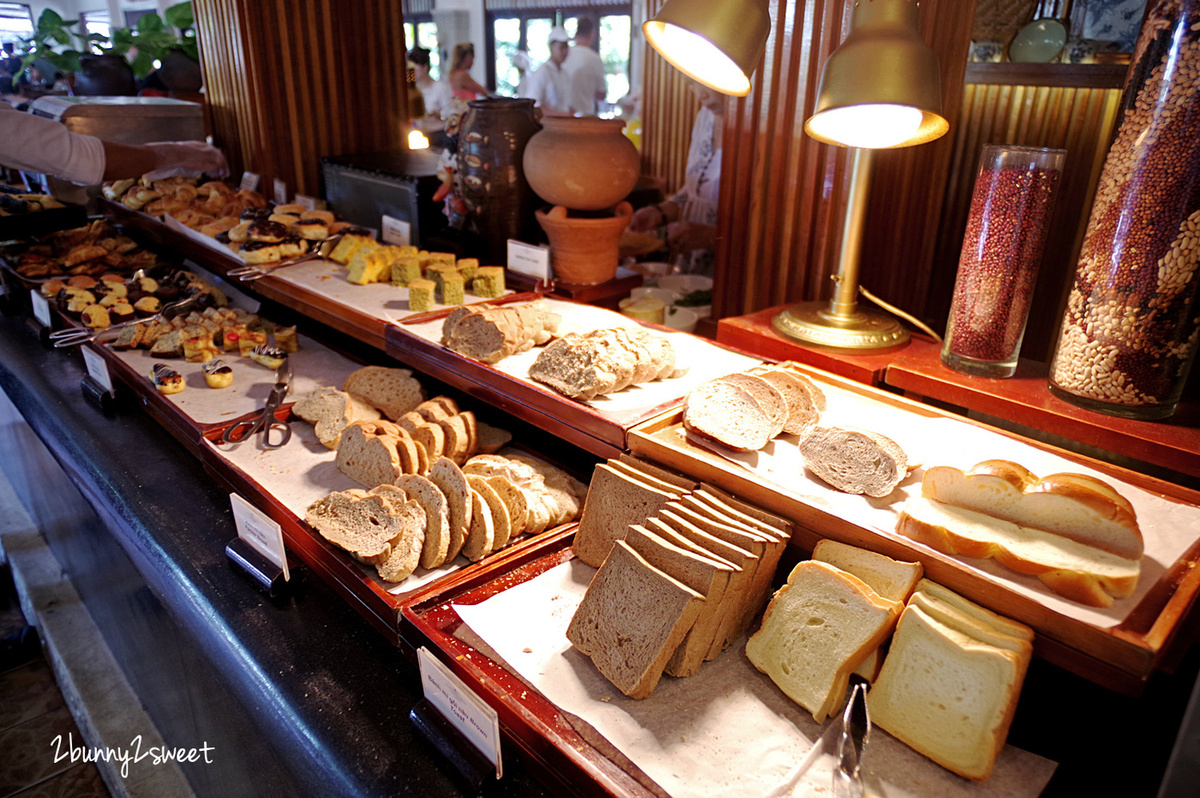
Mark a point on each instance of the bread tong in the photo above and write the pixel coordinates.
(845, 738)
(250, 273)
(73, 336)
(265, 422)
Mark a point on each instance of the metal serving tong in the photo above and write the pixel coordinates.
(845, 738)
(265, 422)
(249, 273)
(73, 336)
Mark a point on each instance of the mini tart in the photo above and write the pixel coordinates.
(270, 356)
(218, 374)
(256, 252)
(273, 232)
(166, 379)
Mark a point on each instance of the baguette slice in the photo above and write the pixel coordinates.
(817, 629)
(482, 534)
(452, 483)
(1077, 571)
(632, 618)
(501, 529)
(946, 694)
(854, 461)
(437, 517)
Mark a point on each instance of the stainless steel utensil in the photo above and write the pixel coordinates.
(265, 422)
(73, 336)
(250, 273)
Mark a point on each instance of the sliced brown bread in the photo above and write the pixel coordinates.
(501, 527)
(631, 619)
(614, 501)
(330, 411)
(457, 438)
(367, 454)
(437, 517)
(359, 523)
(392, 391)
(491, 439)
(769, 398)
(816, 630)
(482, 534)
(727, 414)
(515, 501)
(406, 548)
(854, 461)
(680, 482)
(451, 481)
(429, 435)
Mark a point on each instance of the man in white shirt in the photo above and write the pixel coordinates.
(585, 69)
(37, 144)
(549, 85)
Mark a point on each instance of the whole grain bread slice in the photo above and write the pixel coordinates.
(392, 391)
(367, 454)
(437, 517)
(406, 547)
(614, 501)
(330, 411)
(356, 522)
(498, 512)
(451, 481)
(482, 533)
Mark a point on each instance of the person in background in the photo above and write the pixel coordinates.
(461, 83)
(690, 215)
(549, 86)
(37, 144)
(585, 69)
(436, 93)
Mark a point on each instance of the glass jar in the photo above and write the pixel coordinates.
(1129, 333)
(1002, 249)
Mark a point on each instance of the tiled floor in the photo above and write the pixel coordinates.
(32, 714)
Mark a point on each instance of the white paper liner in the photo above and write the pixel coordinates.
(725, 732)
(1168, 527)
(701, 357)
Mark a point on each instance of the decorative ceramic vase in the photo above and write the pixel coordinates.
(1129, 334)
(104, 76)
(582, 162)
(491, 140)
(584, 250)
(1011, 208)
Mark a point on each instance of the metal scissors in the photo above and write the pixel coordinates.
(265, 422)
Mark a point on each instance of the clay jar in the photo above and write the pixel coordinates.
(583, 163)
(584, 250)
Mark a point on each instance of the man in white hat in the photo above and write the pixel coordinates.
(586, 70)
(549, 85)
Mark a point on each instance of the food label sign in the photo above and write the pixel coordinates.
(260, 532)
(477, 721)
(529, 260)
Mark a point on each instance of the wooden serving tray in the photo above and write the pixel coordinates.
(545, 739)
(1121, 657)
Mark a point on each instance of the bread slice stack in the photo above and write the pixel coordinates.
(745, 411)
(951, 680)
(1073, 532)
(692, 537)
(489, 333)
(586, 365)
(382, 528)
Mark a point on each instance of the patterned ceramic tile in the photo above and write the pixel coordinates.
(27, 692)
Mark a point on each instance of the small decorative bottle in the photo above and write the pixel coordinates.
(1002, 249)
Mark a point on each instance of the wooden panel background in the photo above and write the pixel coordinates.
(669, 109)
(291, 81)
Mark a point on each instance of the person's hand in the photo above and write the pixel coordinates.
(688, 236)
(186, 159)
(646, 219)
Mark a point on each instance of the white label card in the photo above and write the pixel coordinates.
(396, 232)
(263, 534)
(477, 721)
(97, 369)
(41, 307)
(529, 260)
(280, 192)
(250, 181)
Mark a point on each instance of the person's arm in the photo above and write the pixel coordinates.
(127, 160)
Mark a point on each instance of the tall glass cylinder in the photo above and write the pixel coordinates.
(1130, 330)
(1002, 250)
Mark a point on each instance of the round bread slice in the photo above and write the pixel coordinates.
(437, 517)
(453, 484)
(482, 534)
(392, 391)
(406, 546)
(497, 510)
(727, 414)
(800, 393)
(854, 461)
(769, 398)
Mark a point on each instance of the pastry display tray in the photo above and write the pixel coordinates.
(1118, 647)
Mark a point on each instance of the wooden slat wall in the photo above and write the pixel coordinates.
(782, 194)
(1079, 120)
(291, 81)
(668, 111)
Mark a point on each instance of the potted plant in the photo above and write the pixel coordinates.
(178, 56)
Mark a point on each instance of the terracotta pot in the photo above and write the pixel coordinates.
(180, 72)
(104, 76)
(585, 163)
(491, 141)
(584, 250)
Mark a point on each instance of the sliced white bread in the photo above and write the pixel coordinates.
(892, 579)
(727, 414)
(631, 619)
(614, 501)
(961, 621)
(981, 613)
(854, 461)
(819, 627)
(392, 391)
(501, 526)
(330, 411)
(701, 573)
(451, 481)
(946, 694)
(437, 517)
(1077, 571)
(406, 548)
(1075, 506)
(752, 513)
(482, 534)
(367, 454)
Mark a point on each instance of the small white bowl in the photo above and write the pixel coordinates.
(683, 319)
(668, 297)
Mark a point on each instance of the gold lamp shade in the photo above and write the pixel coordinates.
(881, 88)
(716, 42)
